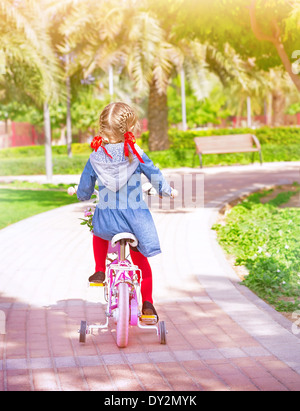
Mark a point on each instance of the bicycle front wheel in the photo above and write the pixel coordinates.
(123, 317)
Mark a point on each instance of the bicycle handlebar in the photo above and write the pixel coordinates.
(147, 188)
(72, 190)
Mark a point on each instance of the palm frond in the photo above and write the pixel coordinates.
(24, 40)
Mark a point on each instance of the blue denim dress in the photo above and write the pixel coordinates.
(121, 207)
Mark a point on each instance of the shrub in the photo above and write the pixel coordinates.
(39, 151)
(265, 239)
(266, 135)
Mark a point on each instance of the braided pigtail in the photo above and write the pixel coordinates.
(116, 120)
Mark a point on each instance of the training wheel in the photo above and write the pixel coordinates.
(162, 332)
(82, 332)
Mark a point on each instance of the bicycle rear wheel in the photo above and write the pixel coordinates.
(123, 317)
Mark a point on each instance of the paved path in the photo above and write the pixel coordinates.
(221, 336)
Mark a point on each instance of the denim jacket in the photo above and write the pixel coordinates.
(121, 207)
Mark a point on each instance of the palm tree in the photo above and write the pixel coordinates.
(73, 27)
(149, 62)
(24, 43)
(31, 72)
(279, 91)
(55, 13)
(65, 28)
(133, 41)
(241, 79)
(136, 41)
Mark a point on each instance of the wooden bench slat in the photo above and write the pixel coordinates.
(232, 143)
(223, 142)
(229, 150)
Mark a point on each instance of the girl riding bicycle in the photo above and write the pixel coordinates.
(116, 164)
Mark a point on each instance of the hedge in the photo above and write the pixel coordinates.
(178, 139)
(39, 151)
(278, 144)
(266, 135)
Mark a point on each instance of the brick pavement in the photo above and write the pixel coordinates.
(220, 336)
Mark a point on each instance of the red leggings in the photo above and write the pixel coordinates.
(100, 252)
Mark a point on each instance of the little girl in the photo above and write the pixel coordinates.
(117, 164)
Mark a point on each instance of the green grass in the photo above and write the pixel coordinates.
(265, 239)
(24, 200)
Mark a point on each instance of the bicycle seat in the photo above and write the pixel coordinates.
(125, 236)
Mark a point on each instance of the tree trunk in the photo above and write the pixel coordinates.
(239, 114)
(69, 120)
(158, 119)
(48, 146)
(287, 63)
(249, 113)
(279, 105)
(69, 94)
(111, 82)
(269, 109)
(183, 100)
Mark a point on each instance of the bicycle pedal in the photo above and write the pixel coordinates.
(148, 319)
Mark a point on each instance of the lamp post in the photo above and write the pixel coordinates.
(183, 100)
(111, 81)
(249, 114)
(48, 146)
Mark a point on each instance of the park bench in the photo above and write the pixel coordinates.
(235, 143)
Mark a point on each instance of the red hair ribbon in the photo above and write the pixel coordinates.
(130, 141)
(96, 143)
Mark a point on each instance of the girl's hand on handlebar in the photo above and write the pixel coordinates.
(149, 189)
(72, 190)
(174, 193)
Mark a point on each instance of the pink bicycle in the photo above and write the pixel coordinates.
(122, 292)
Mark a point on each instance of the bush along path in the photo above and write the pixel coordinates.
(262, 234)
(278, 144)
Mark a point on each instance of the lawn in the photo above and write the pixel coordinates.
(262, 234)
(22, 200)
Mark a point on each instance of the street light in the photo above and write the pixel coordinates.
(183, 101)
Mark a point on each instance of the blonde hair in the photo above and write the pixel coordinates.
(117, 119)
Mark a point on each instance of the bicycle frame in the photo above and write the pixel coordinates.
(123, 272)
(117, 272)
